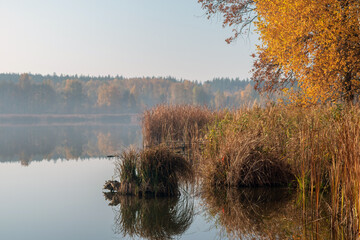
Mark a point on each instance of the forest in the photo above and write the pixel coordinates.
(38, 94)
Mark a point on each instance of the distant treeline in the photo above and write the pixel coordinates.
(28, 93)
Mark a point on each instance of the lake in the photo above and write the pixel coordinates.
(51, 179)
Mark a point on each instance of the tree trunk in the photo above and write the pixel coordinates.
(349, 94)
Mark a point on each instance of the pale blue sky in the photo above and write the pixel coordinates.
(125, 37)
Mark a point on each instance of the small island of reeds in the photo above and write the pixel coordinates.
(155, 171)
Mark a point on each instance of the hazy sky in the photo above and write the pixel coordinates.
(125, 37)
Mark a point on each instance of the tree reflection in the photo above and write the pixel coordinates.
(154, 218)
(263, 213)
(28, 143)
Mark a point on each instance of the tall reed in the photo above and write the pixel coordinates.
(345, 173)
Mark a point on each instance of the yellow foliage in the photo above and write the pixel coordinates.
(108, 94)
(317, 41)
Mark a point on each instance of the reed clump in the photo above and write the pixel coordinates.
(152, 171)
(247, 148)
(174, 124)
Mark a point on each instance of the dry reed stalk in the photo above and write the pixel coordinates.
(345, 173)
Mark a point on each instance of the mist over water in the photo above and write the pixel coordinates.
(28, 143)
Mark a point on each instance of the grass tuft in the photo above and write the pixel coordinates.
(156, 171)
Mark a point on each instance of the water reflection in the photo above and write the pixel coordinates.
(154, 218)
(260, 213)
(263, 213)
(35, 143)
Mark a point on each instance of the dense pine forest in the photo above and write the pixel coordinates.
(40, 94)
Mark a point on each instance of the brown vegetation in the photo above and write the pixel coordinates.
(175, 123)
(318, 146)
(315, 149)
(156, 171)
(242, 150)
(180, 127)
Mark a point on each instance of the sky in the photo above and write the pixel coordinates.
(132, 38)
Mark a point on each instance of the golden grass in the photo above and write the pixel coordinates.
(166, 123)
(345, 172)
(246, 148)
(162, 169)
(318, 146)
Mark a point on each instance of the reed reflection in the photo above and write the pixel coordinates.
(263, 213)
(154, 218)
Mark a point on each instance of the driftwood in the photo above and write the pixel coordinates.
(112, 186)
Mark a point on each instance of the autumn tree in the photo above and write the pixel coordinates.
(109, 95)
(219, 100)
(181, 92)
(24, 80)
(43, 98)
(200, 96)
(73, 94)
(309, 49)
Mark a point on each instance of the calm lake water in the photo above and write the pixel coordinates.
(51, 180)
